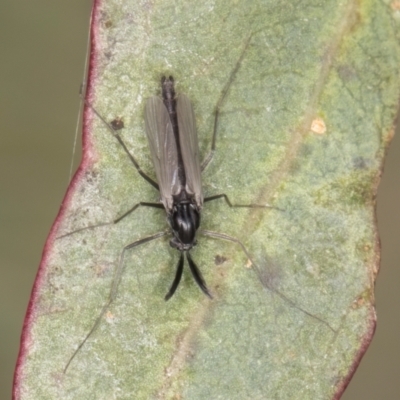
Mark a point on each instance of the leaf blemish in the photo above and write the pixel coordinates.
(318, 126)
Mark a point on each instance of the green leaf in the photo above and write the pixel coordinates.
(304, 127)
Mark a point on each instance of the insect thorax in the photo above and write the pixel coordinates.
(184, 221)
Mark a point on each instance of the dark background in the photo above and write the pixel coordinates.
(43, 47)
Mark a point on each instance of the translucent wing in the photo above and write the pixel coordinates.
(189, 147)
(163, 149)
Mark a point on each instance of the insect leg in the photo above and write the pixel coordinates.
(122, 143)
(198, 277)
(223, 236)
(221, 99)
(115, 221)
(177, 279)
(264, 281)
(114, 289)
(230, 204)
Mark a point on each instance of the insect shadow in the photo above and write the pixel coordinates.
(172, 136)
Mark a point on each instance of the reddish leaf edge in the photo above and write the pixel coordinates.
(367, 339)
(88, 158)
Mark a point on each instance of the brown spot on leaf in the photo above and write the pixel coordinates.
(108, 24)
(346, 72)
(117, 124)
(218, 260)
(109, 316)
(395, 5)
(318, 126)
(99, 270)
(357, 303)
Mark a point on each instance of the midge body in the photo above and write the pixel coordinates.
(171, 131)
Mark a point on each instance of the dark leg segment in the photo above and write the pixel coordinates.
(136, 206)
(198, 277)
(114, 289)
(122, 143)
(140, 204)
(230, 204)
(230, 239)
(177, 279)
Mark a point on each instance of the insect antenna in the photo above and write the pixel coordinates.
(177, 279)
(197, 275)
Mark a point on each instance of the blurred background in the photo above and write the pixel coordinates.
(43, 49)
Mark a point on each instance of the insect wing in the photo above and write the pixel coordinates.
(163, 149)
(189, 147)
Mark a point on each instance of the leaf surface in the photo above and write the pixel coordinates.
(304, 127)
